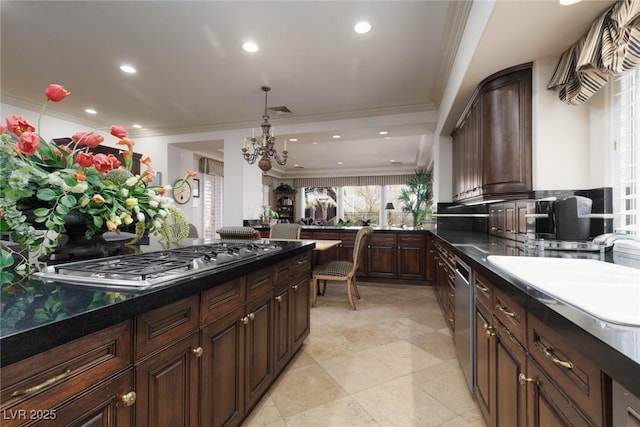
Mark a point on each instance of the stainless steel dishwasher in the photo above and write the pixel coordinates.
(626, 407)
(464, 319)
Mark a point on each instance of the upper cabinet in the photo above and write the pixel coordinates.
(492, 143)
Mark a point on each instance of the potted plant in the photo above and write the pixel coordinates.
(284, 189)
(415, 196)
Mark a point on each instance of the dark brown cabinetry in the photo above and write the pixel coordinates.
(412, 256)
(382, 254)
(509, 219)
(286, 206)
(492, 144)
(85, 382)
(444, 283)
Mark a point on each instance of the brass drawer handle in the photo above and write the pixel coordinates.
(245, 319)
(523, 380)
(129, 398)
(548, 352)
(304, 261)
(279, 298)
(506, 312)
(43, 384)
(198, 351)
(482, 287)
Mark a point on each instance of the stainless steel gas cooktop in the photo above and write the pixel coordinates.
(142, 271)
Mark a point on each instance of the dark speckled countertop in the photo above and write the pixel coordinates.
(614, 348)
(37, 316)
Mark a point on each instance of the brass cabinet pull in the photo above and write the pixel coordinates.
(548, 352)
(304, 261)
(198, 351)
(482, 287)
(129, 398)
(251, 316)
(43, 384)
(523, 380)
(489, 330)
(245, 320)
(505, 311)
(295, 287)
(279, 298)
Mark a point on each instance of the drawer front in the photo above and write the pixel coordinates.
(47, 379)
(165, 325)
(574, 374)
(282, 273)
(222, 299)
(484, 290)
(259, 282)
(511, 315)
(300, 266)
(327, 235)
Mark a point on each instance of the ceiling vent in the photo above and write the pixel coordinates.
(279, 111)
(396, 162)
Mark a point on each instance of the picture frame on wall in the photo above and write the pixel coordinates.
(196, 187)
(157, 180)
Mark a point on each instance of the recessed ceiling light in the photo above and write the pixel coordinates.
(391, 161)
(314, 143)
(128, 69)
(137, 126)
(568, 2)
(293, 139)
(339, 163)
(336, 136)
(362, 27)
(250, 46)
(383, 132)
(90, 111)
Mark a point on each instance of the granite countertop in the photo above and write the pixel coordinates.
(36, 316)
(613, 347)
(355, 228)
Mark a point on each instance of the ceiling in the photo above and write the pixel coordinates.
(193, 75)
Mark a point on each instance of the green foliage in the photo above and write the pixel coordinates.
(416, 195)
(284, 188)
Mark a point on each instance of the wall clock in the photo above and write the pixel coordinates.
(181, 194)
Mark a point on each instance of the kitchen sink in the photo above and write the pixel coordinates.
(607, 291)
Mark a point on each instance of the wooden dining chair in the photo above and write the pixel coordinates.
(285, 231)
(342, 270)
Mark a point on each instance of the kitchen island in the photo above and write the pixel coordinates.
(201, 350)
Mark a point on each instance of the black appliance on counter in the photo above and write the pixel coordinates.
(566, 219)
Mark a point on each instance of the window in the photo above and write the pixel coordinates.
(320, 204)
(396, 217)
(212, 204)
(626, 151)
(361, 203)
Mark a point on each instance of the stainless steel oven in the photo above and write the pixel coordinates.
(464, 319)
(626, 407)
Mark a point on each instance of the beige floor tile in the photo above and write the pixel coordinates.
(265, 414)
(474, 417)
(358, 371)
(369, 336)
(342, 412)
(301, 358)
(331, 346)
(301, 389)
(436, 343)
(404, 357)
(445, 383)
(404, 327)
(399, 403)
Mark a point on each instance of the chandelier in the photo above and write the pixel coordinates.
(263, 147)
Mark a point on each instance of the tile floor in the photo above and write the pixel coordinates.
(391, 363)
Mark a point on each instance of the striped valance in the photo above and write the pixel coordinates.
(211, 167)
(612, 46)
(352, 181)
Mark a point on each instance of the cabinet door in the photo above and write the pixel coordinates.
(484, 370)
(510, 221)
(222, 379)
(104, 406)
(430, 271)
(258, 348)
(546, 405)
(522, 207)
(167, 386)
(496, 220)
(510, 403)
(411, 256)
(300, 312)
(382, 255)
(282, 338)
(506, 133)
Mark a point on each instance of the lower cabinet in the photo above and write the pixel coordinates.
(382, 253)
(203, 361)
(510, 397)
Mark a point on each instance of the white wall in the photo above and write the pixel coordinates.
(442, 169)
(569, 142)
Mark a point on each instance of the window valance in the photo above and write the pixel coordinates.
(211, 166)
(612, 46)
(352, 181)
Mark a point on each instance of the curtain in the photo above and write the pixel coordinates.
(351, 181)
(612, 46)
(211, 167)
